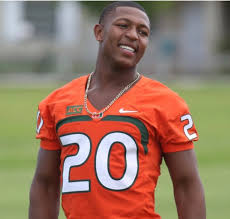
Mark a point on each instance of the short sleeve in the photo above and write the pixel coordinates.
(46, 129)
(176, 129)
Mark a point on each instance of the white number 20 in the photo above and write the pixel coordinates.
(101, 161)
(188, 126)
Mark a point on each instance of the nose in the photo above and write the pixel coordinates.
(132, 34)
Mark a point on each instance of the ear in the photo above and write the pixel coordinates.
(99, 32)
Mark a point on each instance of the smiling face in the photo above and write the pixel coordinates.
(123, 36)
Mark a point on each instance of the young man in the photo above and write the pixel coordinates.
(103, 135)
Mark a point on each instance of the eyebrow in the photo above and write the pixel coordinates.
(126, 19)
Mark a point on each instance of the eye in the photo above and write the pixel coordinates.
(122, 26)
(144, 33)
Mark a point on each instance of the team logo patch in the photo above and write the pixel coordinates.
(70, 110)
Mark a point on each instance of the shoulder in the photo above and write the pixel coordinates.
(66, 91)
(160, 93)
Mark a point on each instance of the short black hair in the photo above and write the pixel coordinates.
(109, 8)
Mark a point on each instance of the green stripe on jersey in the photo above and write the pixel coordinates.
(72, 119)
(139, 124)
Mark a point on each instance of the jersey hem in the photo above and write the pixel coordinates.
(175, 147)
(49, 145)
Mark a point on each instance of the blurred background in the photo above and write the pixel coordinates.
(45, 44)
(55, 39)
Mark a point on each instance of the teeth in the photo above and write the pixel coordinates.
(127, 48)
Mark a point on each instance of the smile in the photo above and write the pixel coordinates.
(128, 48)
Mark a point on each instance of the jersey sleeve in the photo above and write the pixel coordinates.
(46, 129)
(176, 129)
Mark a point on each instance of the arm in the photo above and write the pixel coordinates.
(45, 188)
(188, 189)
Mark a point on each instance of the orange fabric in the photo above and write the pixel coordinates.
(153, 107)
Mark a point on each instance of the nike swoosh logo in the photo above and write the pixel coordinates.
(127, 111)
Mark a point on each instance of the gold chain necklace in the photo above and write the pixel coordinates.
(98, 115)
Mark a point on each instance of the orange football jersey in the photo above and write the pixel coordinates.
(110, 166)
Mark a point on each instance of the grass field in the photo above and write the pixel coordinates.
(210, 107)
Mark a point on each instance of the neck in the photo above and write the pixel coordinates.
(107, 74)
